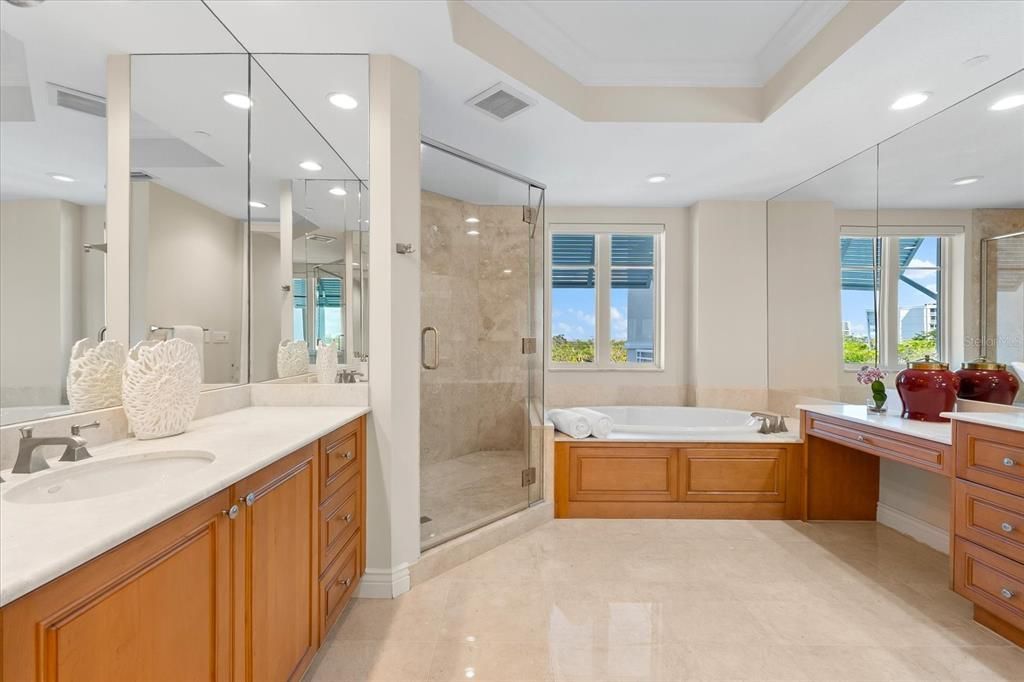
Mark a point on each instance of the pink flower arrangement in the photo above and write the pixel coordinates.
(869, 375)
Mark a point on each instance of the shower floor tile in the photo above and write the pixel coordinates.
(466, 492)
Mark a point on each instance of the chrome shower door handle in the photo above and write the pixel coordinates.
(423, 348)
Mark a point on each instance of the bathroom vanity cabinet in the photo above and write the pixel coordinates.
(242, 586)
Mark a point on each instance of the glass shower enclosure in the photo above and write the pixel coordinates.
(481, 377)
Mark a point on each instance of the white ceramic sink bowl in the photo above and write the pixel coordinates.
(100, 478)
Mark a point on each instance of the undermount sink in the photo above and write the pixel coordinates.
(100, 478)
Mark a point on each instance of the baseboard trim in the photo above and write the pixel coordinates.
(384, 583)
(922, 531)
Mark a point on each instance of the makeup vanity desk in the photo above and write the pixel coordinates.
(982, 456)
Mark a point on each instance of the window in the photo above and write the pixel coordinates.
(605, 307)
(892, 297)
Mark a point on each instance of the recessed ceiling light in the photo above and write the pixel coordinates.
(237, 99)
(1011, 102)
(62, 178)
(968, 180)
(343, 101)
(472, 233)
(909, 101)
(310, 166)
(657, 178)
(337, 191)
(257, 204)
(507, 271)
(472, 221)
(355, 265)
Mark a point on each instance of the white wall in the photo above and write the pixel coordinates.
(638, 387)
(729, 320)
(266, 295)
(393, 480)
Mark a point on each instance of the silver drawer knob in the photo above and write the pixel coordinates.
(1008, 528)
(348, 455)
(232, 512)
(1007, 461)
(1007, 593)
(345, 582)
(860, 438)
(249, 499)
(348, 518)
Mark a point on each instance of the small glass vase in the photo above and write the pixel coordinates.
(874, 407)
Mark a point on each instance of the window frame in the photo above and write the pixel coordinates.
(602, 295)
(887, 306)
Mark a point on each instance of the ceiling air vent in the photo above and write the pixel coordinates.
(77, 100)
(141, 176)
(500, 101)
(326, 239)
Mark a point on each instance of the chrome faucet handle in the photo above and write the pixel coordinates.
(782, 425)
(76, 429)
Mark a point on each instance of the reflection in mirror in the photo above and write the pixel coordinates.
(948, 188)
(189, 214)
(823, 278)
(52, 222)
(310, 216)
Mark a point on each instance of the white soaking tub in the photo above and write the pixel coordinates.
(657, 423)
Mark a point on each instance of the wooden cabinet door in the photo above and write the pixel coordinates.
(155, 608)
(276, 568)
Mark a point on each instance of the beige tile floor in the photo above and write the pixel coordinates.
(591, 600)
(466, 492)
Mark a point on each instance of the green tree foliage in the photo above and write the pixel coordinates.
(858, 351)
(925, 343)
(578, 351)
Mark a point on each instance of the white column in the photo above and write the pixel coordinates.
(119, 112)
(393, 453)
(287, 295)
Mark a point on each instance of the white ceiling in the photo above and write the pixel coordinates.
(740, 43)
(915, 169)
(920, 46)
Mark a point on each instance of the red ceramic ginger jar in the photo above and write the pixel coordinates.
(926, 389)
(987, 381)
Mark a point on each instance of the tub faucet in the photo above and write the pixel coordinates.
(30, 460)
(770, 423)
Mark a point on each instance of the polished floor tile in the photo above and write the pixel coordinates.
(611, 600)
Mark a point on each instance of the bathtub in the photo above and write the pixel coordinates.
(657, 423)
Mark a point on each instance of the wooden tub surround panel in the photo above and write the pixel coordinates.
(603, 479)
(241, 587)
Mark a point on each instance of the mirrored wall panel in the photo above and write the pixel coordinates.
(52, 221)
(823, 283)
(189, 207)
(310, 216)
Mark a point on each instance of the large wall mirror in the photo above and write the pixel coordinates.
(53, 138)
(310, 214)
(913, 248)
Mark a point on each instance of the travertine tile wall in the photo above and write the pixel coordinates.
(475, 292)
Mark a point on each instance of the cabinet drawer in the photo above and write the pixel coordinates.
(623, 475)
(917, 452)
(340, 459)
(990, 518)
(736, 475)
(338, 585)
(339, 519)
(990, 456)
(990, 580)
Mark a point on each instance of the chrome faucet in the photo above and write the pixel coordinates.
(770, 423)
(30, 460)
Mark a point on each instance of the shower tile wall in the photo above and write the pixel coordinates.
(475, 401)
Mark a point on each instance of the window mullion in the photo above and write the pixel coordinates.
(888, 332)
(602, 329)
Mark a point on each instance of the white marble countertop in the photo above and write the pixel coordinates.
(39, 542)
(940, 432)
(1003, 420)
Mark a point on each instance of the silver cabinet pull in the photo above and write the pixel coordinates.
(348, 455)
(423, 348)
(1007, 527)
(1008, 462)
(861, 438)
(344, 582)
(348, 518)
(231, 513)
(249, 499)
(1006, 592)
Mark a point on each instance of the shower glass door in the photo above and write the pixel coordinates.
(480, 233)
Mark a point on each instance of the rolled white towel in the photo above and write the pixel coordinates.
(570, 423)
(601, 425)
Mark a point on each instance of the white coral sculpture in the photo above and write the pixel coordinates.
(292, 358)
(94, 374)
(161, 387)
(327, 362)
